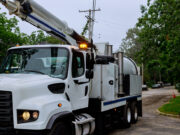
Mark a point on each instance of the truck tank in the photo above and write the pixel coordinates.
(129, 67)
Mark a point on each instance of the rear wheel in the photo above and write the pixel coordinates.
(126, 119)
(134, 109)
(60, 128)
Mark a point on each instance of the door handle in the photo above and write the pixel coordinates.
(77, 82)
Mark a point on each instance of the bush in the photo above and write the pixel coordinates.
(150, 83)
(178, 86)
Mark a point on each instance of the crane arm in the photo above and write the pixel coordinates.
(36, 15)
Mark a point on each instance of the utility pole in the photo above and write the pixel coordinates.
(91, 18)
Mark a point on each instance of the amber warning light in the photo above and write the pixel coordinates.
(83, 46)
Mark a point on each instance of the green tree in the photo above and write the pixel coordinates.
(36, 37)
(130, 44)
(160, 36)
(39, 37)
(52, 40)
(9, 34)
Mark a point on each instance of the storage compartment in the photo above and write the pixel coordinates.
(105, 82)
(132, 85)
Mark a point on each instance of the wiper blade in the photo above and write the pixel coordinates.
(35, 71)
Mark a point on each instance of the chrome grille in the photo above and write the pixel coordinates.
(6, 112)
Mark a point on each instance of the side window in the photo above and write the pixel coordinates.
(15, 63)
(77, 64)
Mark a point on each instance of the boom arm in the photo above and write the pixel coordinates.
(36, 15)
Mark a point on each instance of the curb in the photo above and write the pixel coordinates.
(169, 115)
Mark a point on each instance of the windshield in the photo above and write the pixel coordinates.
(48, 61)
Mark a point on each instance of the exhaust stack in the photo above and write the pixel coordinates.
(120, 56)
(109, 50)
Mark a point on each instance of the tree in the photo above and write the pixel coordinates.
(160, 36)
(130, 44)
(52, 40)
(9, 34)
(36, 37)
(39, 37)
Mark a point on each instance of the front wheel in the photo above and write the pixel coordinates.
(60, 128)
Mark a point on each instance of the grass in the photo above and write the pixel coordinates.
(173, 107)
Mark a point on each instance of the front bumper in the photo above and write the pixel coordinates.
(10, 131)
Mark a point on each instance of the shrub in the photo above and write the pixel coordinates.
(178, 86)
(150, 83)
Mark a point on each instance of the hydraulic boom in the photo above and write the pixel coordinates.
(36, 15)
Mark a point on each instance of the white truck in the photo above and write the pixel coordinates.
(74, 89)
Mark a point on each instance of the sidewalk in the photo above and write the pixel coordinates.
(165, 91)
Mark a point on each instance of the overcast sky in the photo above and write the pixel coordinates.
(112, 22)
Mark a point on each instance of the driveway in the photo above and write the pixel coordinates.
(152, 123)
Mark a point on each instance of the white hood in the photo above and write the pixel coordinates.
(10, 81)
(21, 78)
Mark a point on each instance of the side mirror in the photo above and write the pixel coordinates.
(89, 74)
(89, 61)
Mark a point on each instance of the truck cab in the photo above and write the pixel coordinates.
(40, 81)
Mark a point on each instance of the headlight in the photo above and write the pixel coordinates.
(25, 116)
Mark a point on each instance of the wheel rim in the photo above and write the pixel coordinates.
(136, 113)
(129, 115)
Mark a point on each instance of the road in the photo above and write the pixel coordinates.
(152, 123)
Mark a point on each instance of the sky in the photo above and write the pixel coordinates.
(111, 24)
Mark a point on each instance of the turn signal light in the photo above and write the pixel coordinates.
(83, 46)
(35, 115)
(59, 105)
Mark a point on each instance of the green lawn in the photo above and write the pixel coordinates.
(173, 107)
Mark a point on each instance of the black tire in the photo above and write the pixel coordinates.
(60, 128)
(134, 110)
(126, 119)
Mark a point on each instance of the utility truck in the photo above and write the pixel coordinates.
(75, 89)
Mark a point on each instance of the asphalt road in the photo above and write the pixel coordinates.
(152, 123)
